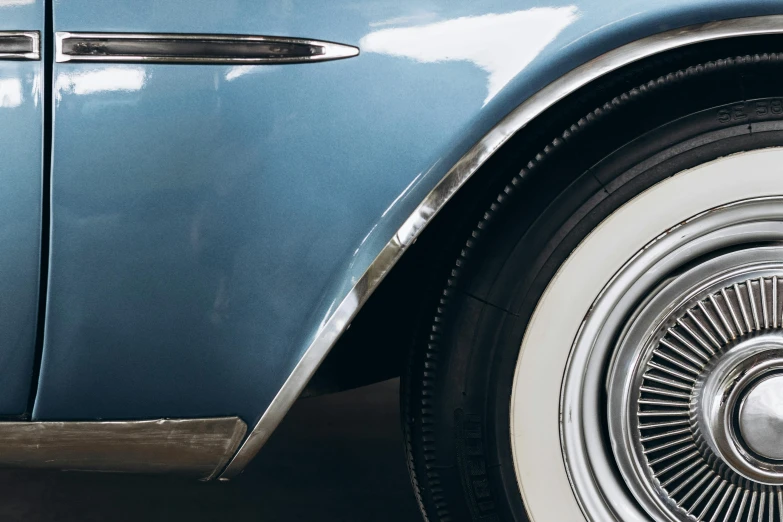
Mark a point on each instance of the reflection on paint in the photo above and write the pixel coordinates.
(242, 70)
(405, 20)
(10, 92)
(36, 91)
(501, 44)
(108, 79)
(16, 2)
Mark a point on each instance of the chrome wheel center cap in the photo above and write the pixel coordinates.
(761, 418)
(739, 408)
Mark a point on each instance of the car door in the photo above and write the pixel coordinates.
(21, 175)
(171, 211)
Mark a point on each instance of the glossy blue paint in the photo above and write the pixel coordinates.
(207, 219)
(21, 138)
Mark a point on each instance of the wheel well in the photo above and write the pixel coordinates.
(375, 346)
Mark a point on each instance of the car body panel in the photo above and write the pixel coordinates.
(21, 168)
(207, 220)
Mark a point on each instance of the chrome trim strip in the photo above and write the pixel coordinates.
(20, 45)
(195, 48)
(196, 447)
(336, 324)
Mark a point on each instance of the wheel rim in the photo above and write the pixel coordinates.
(632, 433)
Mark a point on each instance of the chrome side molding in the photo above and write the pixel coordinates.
(341, 316)
(195, 447)
(195, 48)
(20, 45)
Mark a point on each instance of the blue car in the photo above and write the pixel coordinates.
(561, 223)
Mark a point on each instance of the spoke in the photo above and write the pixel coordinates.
(703, 329)
(731, 310)
(752, 506)
(670, 455)
(713, 323)
(667, 393)
(689, 345)
(771, 507)
(764, 307)
(669, 382)
(721, 503)
(722, 317)
(676, 362)
(704, 494)
(689, 480)
(680, 473)
(667, 445)
(663, 424)
(670, 371)
(685, 326)
(741, 506)
(665, 434)
(664, 413)
(742, 307)
(753, 309)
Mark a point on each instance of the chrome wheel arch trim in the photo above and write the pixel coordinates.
(334, 326)
(214, 49)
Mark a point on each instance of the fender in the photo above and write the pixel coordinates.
(454, 179)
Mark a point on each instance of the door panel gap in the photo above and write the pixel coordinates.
(47, 55)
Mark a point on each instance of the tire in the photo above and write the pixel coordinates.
(469, 457)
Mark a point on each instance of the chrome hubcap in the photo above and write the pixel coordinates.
(706, 369)
(681, 363)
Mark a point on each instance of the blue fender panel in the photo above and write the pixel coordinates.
(21, 175)
(207, 219)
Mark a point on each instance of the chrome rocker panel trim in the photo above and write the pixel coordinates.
(195, 48)
(20, 45)
(194, 447)
(454, 179)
